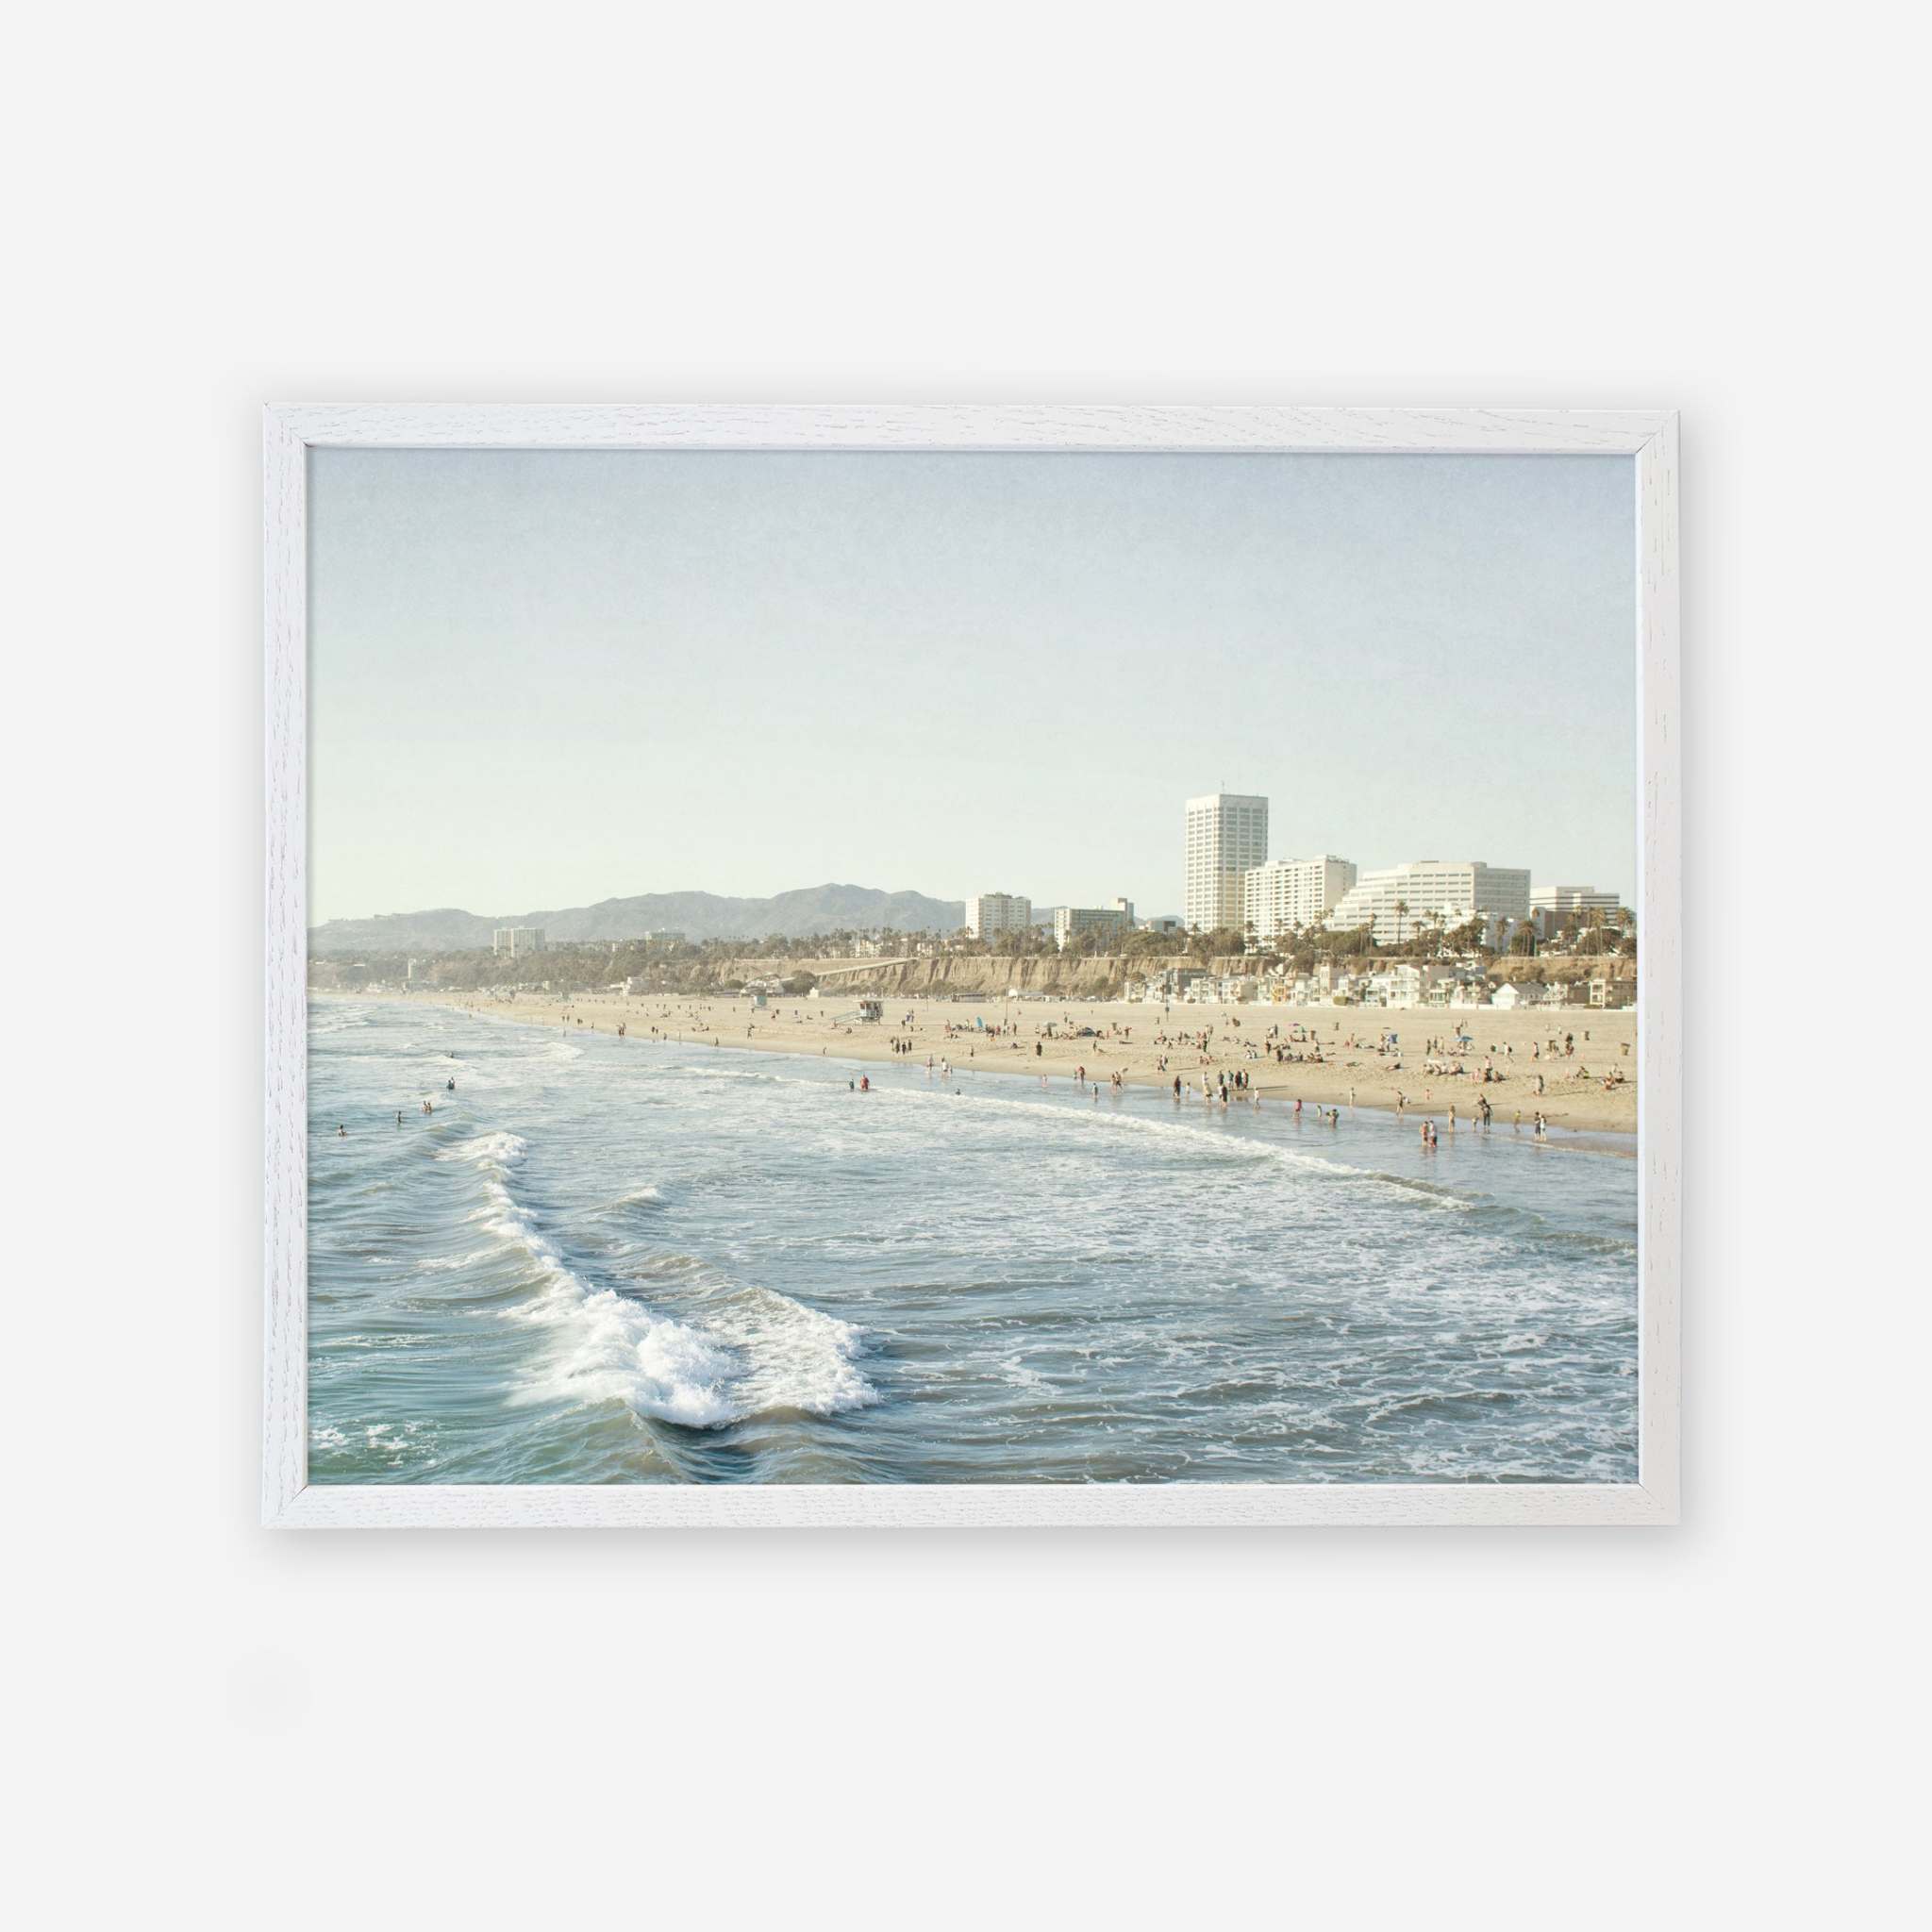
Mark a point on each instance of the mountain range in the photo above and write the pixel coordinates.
(696, 915)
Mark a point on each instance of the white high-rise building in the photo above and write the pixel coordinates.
(993, 913)
(514, 941)
(1396, 898)
(1289, 892)
(1227, 835)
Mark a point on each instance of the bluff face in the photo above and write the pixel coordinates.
(696, 915)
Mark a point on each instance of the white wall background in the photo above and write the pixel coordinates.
(1704, 207)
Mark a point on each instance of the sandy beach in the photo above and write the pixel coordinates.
(1147, 1047)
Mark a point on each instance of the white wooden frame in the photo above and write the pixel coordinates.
(1648, 435)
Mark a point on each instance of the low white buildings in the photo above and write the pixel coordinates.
(990, 914)
(1393, 900)
(1410, 983)
(1517, 994)
(1286, 893)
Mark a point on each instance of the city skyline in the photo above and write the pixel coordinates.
(544, 678)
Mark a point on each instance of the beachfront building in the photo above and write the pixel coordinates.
(1451, 891)
(1515, 994)
(992, 914)
(1171, 982)
(513, 941)
(1228, 835)
(1409, 983)
(1287, 894)
(1071, 923)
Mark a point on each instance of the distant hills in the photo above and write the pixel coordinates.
(696, 915)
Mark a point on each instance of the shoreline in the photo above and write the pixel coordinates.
(1581, 1114)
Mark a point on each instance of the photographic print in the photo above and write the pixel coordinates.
(1010, 968)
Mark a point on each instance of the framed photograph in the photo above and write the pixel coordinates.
(965, 965)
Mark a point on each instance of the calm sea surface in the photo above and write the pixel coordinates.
(605, 1261)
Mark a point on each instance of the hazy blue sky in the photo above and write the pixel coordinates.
(542, 679)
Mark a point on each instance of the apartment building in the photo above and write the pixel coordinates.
(1286, 893)
(992, 914)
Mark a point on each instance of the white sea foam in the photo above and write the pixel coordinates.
(1209, 1139)
(797, 1358)
(608, 1348)
(755, 1350)
(487, 1150)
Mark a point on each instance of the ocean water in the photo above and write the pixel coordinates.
(603, 1261)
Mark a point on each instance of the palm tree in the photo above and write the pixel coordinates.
(1401, 913)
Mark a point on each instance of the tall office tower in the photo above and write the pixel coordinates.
(1227, 835)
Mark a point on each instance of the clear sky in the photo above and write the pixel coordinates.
(541, 678)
